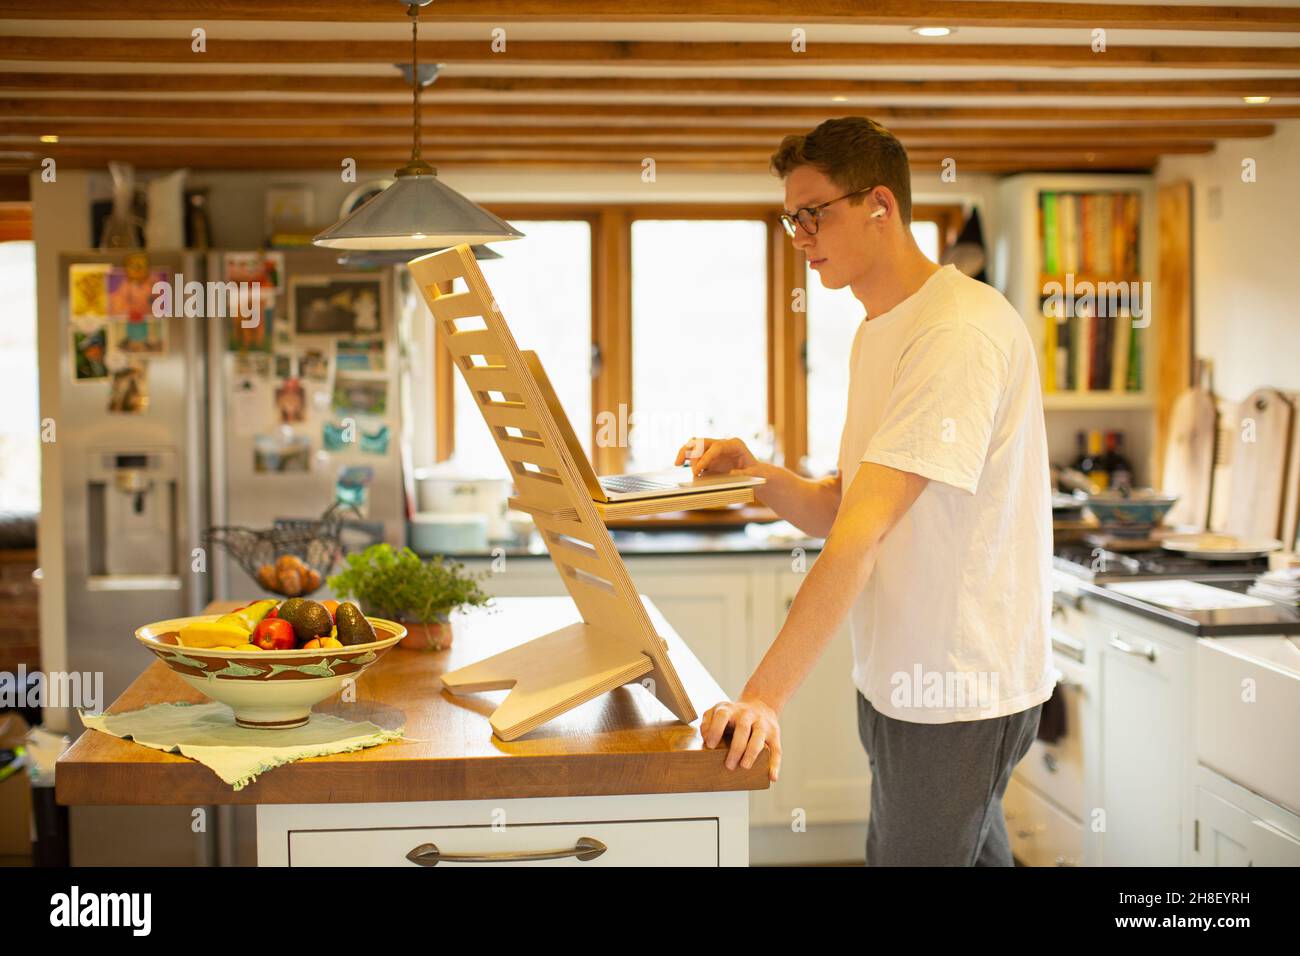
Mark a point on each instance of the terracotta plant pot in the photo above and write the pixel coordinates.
(427, 637)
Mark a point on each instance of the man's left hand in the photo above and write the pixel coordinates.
(754, 725)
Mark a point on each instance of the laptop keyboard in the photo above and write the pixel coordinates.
(632, 483)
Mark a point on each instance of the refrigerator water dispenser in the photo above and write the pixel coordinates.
(132, 499)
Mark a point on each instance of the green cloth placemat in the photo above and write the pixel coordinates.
(208, 733)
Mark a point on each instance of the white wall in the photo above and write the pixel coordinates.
(1245, 258)
(236, 199)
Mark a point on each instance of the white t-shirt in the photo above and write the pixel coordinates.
(953, 623)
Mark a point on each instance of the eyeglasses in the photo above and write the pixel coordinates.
(809, 215)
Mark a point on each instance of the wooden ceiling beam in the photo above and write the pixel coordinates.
(156, 155)
(329, 155)
(698, 87)
(436, 135)
(880, 12)
(92, 49)
(614, 114)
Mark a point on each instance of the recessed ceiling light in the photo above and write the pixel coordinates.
(1256, 99)
(50, 138)
(933, 31)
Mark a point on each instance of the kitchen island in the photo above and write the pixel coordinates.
(617, 780)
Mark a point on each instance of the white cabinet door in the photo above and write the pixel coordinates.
(1144, 728)
(709, 610)
(1236, 827)
(825, 777)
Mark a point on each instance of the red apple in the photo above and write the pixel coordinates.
(274, 634)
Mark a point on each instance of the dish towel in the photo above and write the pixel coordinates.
(208, 733)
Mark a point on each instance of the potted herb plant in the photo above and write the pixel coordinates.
(399, 586)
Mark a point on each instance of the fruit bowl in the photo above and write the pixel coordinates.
(271, 690)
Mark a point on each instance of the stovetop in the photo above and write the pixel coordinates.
(1099, 565)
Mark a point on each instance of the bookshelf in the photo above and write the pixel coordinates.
(1098, 236)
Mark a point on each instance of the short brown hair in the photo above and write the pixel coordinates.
(854, 152)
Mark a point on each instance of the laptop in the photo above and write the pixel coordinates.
(628, 487)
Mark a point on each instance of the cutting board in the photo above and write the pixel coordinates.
(1189, 457)
(1261, 447)
(1291, 509)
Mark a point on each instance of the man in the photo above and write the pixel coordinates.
(937, 524)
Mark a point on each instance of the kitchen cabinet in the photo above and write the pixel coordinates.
(1235, 827)
(1144, 738)
(828, 771)
(1149, 708)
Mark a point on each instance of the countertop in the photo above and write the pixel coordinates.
(621, 742)
(677, 543)
(1226, 622)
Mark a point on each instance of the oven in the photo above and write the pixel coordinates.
(1045, 805)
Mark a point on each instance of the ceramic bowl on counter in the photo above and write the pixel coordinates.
(266, 689)
(1137, 512)
(431, 533)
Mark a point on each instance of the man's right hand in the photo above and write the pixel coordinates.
(716, 456)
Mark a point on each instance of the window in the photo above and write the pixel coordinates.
(926, 234)
(543, 285)
(20, 458)
(833, 317)
(699, 335)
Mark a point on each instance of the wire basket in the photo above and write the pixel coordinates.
(291, 559)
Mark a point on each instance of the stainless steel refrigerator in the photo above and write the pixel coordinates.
(169, 425)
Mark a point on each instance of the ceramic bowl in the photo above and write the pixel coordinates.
(1141, 510)
(266, 689)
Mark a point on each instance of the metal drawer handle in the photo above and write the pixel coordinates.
(428, 854)
(1122, 645)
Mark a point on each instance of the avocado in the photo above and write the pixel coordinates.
(309, 618)
(287, 607)
(353, 628)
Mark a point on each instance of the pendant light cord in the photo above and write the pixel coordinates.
(414, 12)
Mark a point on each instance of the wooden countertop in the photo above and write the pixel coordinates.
(621, 742)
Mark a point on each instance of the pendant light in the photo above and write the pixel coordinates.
(375, 258)
(417, 212)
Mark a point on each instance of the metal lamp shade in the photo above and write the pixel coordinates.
(416, 212)
(373, 258)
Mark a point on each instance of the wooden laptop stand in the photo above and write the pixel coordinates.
(615, 643)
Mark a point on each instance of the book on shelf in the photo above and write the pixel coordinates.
(1091, 351)
(1093, 234)
(1049, 235)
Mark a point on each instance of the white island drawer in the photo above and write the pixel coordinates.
(626, 842)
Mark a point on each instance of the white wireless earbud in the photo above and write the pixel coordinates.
(877, 214)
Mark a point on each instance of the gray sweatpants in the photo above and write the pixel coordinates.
(936, 789)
